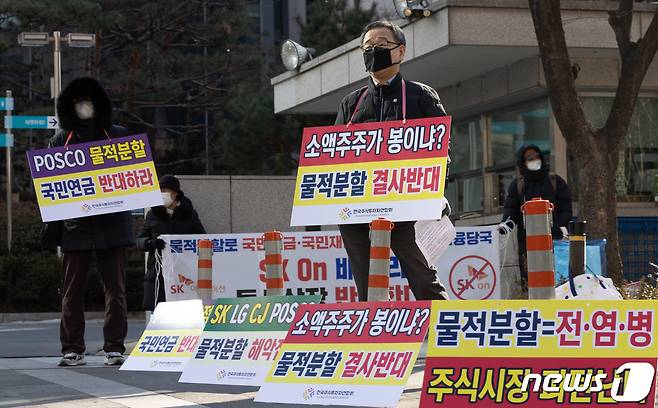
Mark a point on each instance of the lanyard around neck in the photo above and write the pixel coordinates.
(404, 104)
(70, 136)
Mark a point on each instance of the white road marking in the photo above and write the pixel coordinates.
(112, 391)
(20, 329)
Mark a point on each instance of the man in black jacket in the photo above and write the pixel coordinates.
(176, 216)
(534, 180)
(383, 46)
(85, 114)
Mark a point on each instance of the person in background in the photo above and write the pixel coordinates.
(85, 115)
(176, 216)
(534, 180)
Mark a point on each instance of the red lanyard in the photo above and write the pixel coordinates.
(404, 104)
(70, 135)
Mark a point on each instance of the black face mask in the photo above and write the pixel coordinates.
(377, 58)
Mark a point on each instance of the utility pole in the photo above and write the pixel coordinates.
(205, 80)
(9, 183)
(57, 68)
(29, 92)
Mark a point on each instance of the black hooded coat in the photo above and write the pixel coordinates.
(184, 220)
(537, 184)
(100, 231)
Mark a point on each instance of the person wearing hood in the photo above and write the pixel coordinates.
(85, 114)
(176, 216)
(383, 45)
(534, 180)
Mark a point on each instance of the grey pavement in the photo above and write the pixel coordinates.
(41, 338)
(29, 376)
(38, 382)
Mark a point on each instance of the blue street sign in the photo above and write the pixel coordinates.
(31, 122)
(6, 140)
(7, 103)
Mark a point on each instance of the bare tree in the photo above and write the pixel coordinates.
(596, 150)
(170, 66)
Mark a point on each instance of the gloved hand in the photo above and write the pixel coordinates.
(153, 244)
(446, 208)
(505, 227)
(565, 233)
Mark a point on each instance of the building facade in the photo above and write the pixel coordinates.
(483, 59)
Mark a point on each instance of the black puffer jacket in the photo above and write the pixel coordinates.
(100, 231)
(184, 220)
(384, 103)
(538, 184)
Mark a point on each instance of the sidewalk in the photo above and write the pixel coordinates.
(38, 382)
(34, 317)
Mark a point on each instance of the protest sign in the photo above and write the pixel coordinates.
(348, 354)
(357, 173)
(241, 339)
(315, 263)
(99, 177)
(544, 354)
(169, 339)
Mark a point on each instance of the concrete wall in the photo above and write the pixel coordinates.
(241, 203)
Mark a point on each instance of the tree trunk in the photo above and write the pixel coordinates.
(597, 201)
(596, 151)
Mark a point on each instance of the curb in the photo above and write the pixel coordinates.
(31, 317)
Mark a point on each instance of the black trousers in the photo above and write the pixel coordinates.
(423, 281)
(112, 268)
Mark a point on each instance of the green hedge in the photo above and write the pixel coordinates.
(30, 278)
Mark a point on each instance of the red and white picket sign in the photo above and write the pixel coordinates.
(204, 282)
(273, 241)
(380, 260)
(538, 219)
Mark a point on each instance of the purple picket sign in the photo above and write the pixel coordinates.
(76, 158)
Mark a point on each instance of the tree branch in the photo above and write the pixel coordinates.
(621, 21)
(634, 67)
(551, 40)
(171, 128)
(648, 45)
(146, 104)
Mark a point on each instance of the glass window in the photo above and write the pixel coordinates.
(466, 146)
(638, 161)
(504, 181)
(471, 194)
(641, 157)
(513, 128)
(451, 195)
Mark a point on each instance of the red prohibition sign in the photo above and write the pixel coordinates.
(472, 278)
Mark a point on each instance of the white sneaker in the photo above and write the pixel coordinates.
(114, 358)
(72, 359)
